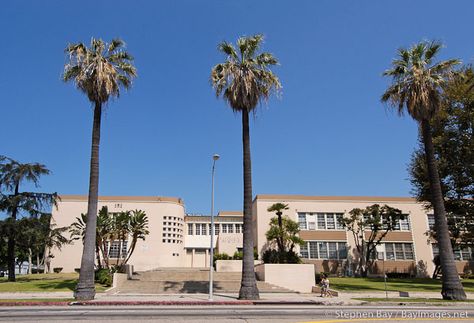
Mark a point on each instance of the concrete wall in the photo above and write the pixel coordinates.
(297, 277)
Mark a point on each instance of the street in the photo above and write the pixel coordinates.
(248, 313)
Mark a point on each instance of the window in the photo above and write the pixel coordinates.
(338, 222)
(311, 226)
(405, 223)
(332, 247)
(313, 250)
(224, 228)
(204, 229)
(330, 222)
(321, 221)
(230, 228)
(198, 229)
(115, 247)
(431, 221)
(304, 251)
(216, 228)
(389, 252)
(302, 221)
(238, 228)
(324, 250)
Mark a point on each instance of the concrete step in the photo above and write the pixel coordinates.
(177, 287)
(185, 275)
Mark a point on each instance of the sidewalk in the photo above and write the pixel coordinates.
(111, 298)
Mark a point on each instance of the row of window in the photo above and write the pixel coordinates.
(402, 224)
(174, 218)
(331, 221)
(323, 250)
(397, 251)
(319, 221)
(205, 228)
(462, 254)
(338, 250)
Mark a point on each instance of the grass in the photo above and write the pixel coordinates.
(393, 284)
(37, 300)
(410, 300)
(43, 283)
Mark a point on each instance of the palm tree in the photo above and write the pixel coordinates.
(99, 71)
(138, 229)
(416, 89)
(14, 202)
(244, 80)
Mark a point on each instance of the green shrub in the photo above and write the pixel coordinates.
(273, 256)
(103, 276)
(238, 255)
(57, 270)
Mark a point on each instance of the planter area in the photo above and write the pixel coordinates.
(296, 277)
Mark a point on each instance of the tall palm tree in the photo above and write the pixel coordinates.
(14, 202)
(416, 89)
(244, 80)
(99, 71)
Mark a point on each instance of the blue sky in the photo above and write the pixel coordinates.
(327, 135)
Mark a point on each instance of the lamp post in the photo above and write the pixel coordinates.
(215, 157)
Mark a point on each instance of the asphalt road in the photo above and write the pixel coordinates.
(252, 313)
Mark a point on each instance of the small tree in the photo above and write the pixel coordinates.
(124, 226)
(283, 233)
(369, 227)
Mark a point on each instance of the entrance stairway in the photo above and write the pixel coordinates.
(184, 280)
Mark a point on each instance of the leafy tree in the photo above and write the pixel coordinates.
(284, 233)
(369, 227)
(453, 140)
(244, 80)
(278, 209)
(416, 89)
(17, 203)
(99, 71)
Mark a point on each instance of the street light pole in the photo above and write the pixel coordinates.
(215, 157)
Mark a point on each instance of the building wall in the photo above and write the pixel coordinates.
(155, 251)
(322, 204)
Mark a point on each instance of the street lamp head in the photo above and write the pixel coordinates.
(216, 157)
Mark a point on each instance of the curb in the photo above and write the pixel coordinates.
(165, 303)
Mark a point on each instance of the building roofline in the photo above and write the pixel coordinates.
(72, 197)
(282, 197)
(230, 213)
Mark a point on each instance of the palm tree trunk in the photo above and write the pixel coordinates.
(248, 288)
(30, 261)
(452, 288)
(38, 265)
(11, 240)
(85, 289)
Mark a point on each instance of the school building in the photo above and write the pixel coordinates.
(178, 239)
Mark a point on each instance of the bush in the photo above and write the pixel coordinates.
(37, 271)
(220, 256)
(57, 270)
(238, 255)
(103, 276)
(77, 270)
(398, 275)
(272, 256)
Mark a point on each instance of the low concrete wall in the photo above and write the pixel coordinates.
(233, 266)
(297, 277)
(119, 279)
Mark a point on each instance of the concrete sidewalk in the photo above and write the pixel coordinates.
(111, 298)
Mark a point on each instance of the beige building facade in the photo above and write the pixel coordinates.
(178, 239)
(175, 239)
(408, 249)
